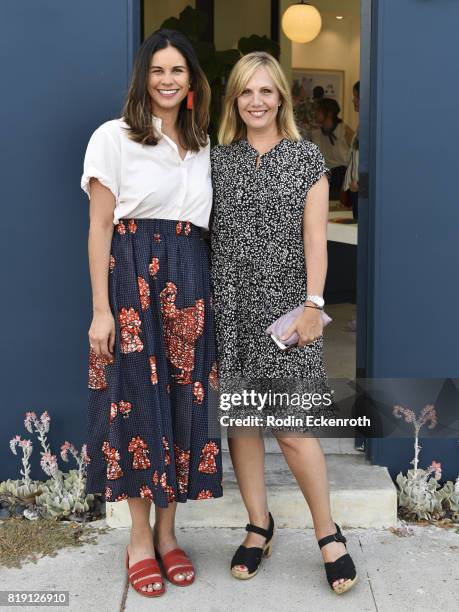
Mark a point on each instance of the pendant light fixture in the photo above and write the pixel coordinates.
(301, 22)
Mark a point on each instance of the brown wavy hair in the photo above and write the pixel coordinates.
(192, 124)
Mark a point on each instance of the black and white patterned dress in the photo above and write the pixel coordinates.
(258, 263)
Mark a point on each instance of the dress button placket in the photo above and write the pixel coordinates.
(255, 195)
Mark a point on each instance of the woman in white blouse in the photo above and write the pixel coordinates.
(152, 362)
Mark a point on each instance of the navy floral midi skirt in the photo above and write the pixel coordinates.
(152, 429)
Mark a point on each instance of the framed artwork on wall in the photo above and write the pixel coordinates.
(304, 80)
(332, 81)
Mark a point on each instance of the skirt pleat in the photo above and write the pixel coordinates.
(152, 421)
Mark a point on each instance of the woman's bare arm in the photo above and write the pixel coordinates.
(309, 325)
(315, 236)
(101, 206)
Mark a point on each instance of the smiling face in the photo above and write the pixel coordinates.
(168, 79)
(319, 116)
(259, 102)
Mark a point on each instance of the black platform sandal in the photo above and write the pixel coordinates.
(343, 567)
(251, 557)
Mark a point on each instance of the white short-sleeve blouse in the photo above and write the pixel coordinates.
(149, 182)
(335, 154)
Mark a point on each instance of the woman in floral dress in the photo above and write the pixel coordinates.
(152, 366)
(269, 255)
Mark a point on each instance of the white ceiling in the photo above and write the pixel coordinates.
(338, 7)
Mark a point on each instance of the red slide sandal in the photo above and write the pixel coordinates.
(145, 572)
(177, 562)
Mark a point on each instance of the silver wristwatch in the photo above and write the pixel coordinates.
(316, 299)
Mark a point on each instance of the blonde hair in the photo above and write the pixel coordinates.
(231, 125)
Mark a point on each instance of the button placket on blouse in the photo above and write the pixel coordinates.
(147, 180)
(184, 172)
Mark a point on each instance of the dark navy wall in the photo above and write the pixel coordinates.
(412, 322)
(65, 69)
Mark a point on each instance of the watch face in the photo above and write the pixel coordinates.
(316, 300)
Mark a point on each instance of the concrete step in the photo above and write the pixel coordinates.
(362, 495)
(330, 446)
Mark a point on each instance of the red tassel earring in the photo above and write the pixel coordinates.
(190, 100)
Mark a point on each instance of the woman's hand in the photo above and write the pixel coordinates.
(102, 334)
(308, 326)
(101, 206)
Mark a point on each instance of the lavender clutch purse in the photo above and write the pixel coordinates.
(280, 325)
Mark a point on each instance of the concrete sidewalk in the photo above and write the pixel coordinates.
(409, 574)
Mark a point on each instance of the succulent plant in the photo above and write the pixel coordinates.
(57, 505)
(62, 501)
(451, 490)
(24, 493)
(420, 494)
(63, 494)
(427, 417)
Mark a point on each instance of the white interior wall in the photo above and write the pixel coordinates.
(237, 18)
(157, 11)
(337, 47)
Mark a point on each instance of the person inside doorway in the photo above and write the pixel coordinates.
(304, 106)
(333, 137)
(317, 93)
(351, 179)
